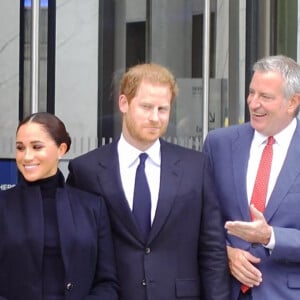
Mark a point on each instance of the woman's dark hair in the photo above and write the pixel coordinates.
(52, 125)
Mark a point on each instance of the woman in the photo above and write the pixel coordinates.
(55, 240)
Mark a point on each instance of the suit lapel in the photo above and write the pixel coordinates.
(110, 182)
(169, 182)
(240, 156)
(286, 177)
(66, 227)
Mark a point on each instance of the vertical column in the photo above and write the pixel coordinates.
(76, 86)
(171, 35)
(9, 75)
(206, 60)
(34, 89)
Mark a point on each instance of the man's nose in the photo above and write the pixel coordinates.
(154, 114)
(253, 101)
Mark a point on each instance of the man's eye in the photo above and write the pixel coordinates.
(164, 109)
(266, 97)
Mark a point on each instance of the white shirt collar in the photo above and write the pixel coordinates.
(128, 154)
(282, 138)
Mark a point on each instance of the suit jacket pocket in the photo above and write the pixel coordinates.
(188, 287)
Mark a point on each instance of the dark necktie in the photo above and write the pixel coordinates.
(142, 198)
(260, 189)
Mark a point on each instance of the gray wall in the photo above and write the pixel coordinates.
(9, 75)
(77, 71)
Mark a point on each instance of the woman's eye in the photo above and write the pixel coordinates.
(37, 147)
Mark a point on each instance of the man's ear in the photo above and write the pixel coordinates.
(123, 103)
(294, 102)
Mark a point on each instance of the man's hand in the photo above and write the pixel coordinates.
(242, 268)
(257, 231)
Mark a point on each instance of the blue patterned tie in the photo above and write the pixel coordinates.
(142, 198)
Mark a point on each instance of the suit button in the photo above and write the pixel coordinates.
(144, 283)
(147, 250)
(69, 286)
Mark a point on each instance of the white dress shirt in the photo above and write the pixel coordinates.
(129, 161)
(280, 148)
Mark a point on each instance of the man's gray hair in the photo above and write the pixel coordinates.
(287, 67)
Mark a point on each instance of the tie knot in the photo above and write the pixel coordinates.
(143, 157)
(271, 140)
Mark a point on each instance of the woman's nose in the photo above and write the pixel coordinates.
(28, 154)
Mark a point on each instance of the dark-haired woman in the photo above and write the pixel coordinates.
(55, 241)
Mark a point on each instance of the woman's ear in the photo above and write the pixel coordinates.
(62, 149)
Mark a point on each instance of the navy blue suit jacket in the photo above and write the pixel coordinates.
(229, 149)
(85, 239)
(184, 256)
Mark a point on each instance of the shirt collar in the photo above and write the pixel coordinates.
(285, 136)
(282, 138)
(129, 154)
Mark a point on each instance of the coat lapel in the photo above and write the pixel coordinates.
(240, 156)
(287, 176)
(169, 182)
(30, 214)
(67, 234)
(110, 182)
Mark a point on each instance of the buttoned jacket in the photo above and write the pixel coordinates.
(229, 149)
(184, 255)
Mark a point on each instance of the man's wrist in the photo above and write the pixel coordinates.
(269, 241)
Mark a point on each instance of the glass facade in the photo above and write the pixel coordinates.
(85, 46)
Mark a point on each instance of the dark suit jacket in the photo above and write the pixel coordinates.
(229, 150)
(184, 256)
(85, 237)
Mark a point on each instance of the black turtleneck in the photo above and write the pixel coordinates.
(53, 268)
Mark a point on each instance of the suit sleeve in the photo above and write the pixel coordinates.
(212, 249)
(287, 244)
